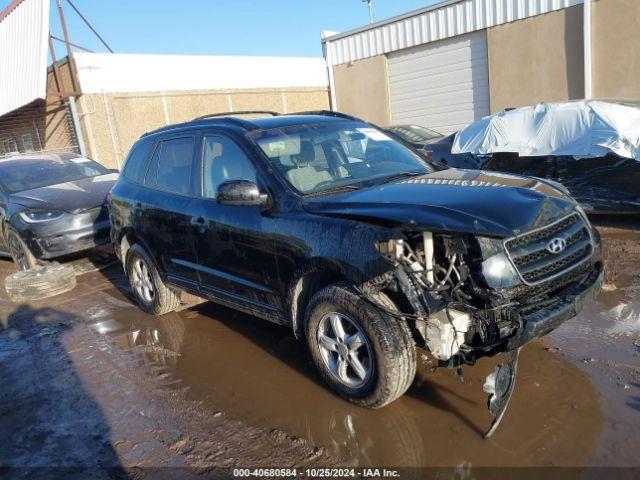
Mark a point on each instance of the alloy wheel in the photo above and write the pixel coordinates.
(142, 282)
(345, 349)
(18, 253)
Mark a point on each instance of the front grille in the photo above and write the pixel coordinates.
(536, 264)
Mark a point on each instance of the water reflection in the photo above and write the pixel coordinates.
(259, 374)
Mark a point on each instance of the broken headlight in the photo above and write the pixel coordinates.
(497, 269)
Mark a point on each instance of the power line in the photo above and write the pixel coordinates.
(72, 44)
(89, 25)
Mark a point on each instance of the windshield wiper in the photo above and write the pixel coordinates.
(338, 189)
(399, 176)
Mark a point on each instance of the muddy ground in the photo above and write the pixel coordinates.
(92, 385)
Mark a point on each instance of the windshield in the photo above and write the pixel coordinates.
(415, 133)
(321, 157)
(26, 174)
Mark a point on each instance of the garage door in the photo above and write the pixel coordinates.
(443, 85)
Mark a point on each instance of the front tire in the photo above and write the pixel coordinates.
(363, 354)
(22, 257)
(152, 294)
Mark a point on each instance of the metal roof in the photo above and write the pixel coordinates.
(24, 30)
(442, 20)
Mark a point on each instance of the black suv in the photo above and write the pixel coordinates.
(323, 223)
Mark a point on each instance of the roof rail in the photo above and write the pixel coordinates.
(240, 122)
(242, 112)
(327, 113)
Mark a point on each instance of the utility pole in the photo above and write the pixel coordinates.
(588, 78)
(370, 7)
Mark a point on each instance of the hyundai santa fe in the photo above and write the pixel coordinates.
(323, 223)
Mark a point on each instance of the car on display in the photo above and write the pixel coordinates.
(590, 147)
(52, 205)
(326, 224)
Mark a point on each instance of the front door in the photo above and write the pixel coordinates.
(165, 210)
(235, 247)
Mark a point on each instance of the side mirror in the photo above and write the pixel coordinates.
(240, 193)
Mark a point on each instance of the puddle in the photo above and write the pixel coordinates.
(603, 341)
(259, 374)
(576, 402)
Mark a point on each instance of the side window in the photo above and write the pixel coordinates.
(11, 146)
(223, 160)
(136, 163)
(172, 164)
(27, 142)
(152, 172)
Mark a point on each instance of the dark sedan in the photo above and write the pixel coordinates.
(52, 205)
(592, 147)
(434, 145)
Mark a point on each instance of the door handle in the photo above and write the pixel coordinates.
(199, 223)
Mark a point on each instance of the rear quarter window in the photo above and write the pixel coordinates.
(136, 164)
(172, 165)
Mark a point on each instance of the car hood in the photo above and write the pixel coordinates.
(74, 196)
(452, 200)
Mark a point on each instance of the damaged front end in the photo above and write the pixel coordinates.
(469, 296)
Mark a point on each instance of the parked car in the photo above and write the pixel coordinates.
(416, 135)
(590, 147)
(327, 225)
(51, 206)
(434, 145)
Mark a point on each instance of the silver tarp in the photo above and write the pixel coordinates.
(581, 129)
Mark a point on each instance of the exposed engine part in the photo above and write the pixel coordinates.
(428, 281)
(422, 265)
(499, 385)
(446, 331)
(428, 255)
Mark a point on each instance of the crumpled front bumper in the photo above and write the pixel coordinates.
(73, 233)
(547, 319)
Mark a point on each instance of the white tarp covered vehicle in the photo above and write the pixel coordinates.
(585, 129)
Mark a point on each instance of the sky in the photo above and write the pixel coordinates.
(218, 27)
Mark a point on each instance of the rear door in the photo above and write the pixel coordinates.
(235, 244)
(166, 208)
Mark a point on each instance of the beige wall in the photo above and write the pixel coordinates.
(113, 122)
(616, 49)
(362, 89)
(539, 59)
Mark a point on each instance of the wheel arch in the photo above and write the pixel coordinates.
(309, 279)
(127, 238)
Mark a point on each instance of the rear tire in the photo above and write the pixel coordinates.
(152, 294)
(380, 365)
(22, 257)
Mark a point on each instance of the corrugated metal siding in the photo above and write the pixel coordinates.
(442, 85)
(23, 54)
(438, 22)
